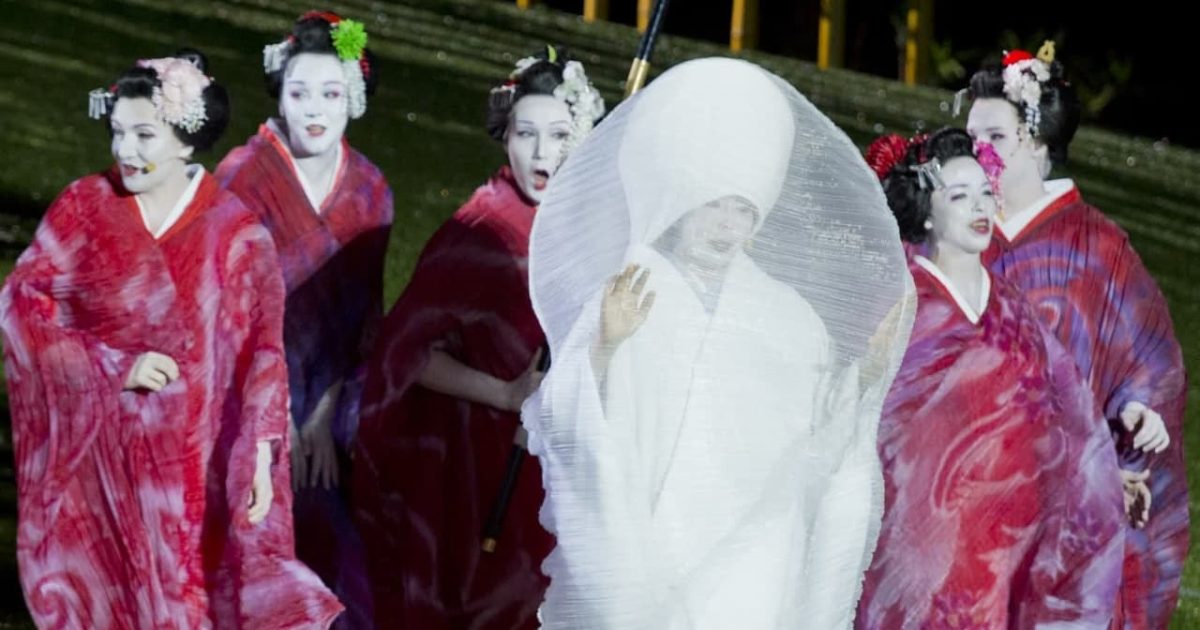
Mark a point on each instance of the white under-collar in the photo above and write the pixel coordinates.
(315, 197)
(195, 173)
(985, 289)
(1013, 224)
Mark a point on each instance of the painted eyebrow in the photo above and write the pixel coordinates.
(522, 121)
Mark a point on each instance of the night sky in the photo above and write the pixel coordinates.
(1148, 46)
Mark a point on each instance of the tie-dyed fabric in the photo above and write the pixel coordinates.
(1003, 504)
(133, 504)
(429, 466)
(332, 261)
(1092, 291)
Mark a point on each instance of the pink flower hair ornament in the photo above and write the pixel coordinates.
(178, 99)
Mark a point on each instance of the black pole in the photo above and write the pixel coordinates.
(638, 72)
(640, 68)
(512, 472)
(646, 49)
(495, 522)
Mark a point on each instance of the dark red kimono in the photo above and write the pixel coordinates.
(332, 260)
(429, 466)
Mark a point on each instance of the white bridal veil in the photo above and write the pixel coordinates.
(719, 469)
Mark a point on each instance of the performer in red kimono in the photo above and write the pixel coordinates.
(1003, 502)
(457, 356)
(1092, 291)
(144, 361)
(329, 211)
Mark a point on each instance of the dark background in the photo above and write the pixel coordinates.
(1131, 62)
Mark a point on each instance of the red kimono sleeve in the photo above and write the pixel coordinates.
(1083, 542)
(1140, 358)
(63, 382)
(257, 293)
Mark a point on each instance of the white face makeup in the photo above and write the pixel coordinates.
(963, 212)
(711, 235)
(996, 121)
(537, 128)
(141, 139)
(313, 104)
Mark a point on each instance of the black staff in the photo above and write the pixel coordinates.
(638, 72)
(640, 68)
(516, 457)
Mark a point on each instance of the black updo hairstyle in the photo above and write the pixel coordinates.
(311, 34)
(1059, 107)
(138, 82)
(540, 78)
(908, 201)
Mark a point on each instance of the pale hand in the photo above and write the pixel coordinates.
(624, 308)
(524, 385)
(1149, 430)
(261, 492)
(880, 344)
(1133, 485)
(317, 437)
(152, 371)
(298, 455)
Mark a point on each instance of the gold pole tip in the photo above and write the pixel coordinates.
(489, 545)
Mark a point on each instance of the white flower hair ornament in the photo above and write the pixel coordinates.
(1024, 75)
(582, 99)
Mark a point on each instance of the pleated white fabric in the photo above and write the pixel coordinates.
(720, 470)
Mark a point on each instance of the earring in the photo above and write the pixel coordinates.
(928, 224)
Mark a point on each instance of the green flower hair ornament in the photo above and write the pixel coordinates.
(349, 39)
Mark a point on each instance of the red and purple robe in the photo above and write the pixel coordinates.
(1003, 506)
(429, 466)
(1092, 291)
(332, 260)
(133, 504)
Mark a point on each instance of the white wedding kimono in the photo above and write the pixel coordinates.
(722, 472)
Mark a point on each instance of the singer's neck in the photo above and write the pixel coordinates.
(964, 270)
(319, 169)
(159, 201)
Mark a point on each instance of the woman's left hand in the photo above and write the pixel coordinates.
(1137, 496)
(317, 435)
(262, 493)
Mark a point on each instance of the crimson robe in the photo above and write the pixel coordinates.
(1092, 291)
(133, 504)
(429, 466)
(1003, 506)
(332, 260)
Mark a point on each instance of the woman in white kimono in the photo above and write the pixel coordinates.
(723, 290)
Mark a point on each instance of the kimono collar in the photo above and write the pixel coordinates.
(973, 313)
(195, 174)
(315, 198)
(1017, 222)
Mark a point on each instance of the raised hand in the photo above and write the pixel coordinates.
(624, 308)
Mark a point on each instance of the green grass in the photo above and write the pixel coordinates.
(424, 129)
